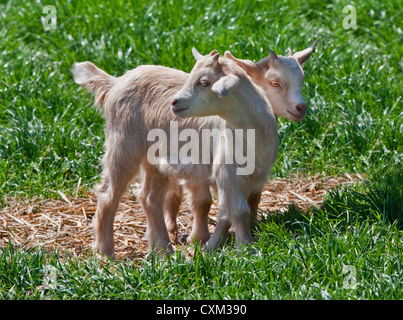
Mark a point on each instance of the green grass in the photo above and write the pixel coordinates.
(297, 256)
(51, 137)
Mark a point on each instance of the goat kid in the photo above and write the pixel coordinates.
(219, 87)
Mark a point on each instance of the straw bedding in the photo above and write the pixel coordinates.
(65, 224)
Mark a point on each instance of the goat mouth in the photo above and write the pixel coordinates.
(298, 117)
(179, 110)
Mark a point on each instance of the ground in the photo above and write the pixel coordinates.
(65, 224)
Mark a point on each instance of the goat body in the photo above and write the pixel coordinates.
(133, 105)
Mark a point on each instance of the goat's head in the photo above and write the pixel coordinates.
(281, 79)
(207, 84)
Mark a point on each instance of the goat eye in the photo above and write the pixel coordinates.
(275, 83)
(203, 83)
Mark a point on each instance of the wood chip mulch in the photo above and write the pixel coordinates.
(65, 224)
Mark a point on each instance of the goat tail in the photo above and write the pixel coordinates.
(89, 76)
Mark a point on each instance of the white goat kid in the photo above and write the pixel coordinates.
(133, 105)
(219, 87)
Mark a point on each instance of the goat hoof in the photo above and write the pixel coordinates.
(184, 239)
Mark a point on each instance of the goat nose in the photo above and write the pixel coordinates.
(174, 101)
(301, 107)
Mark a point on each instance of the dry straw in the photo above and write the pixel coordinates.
(65, 224)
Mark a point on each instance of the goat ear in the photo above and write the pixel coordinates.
(272, 55)
(264, 64)
(196, 54)
(225, 85)
(247, 65)
(215, 56)
(302, 56)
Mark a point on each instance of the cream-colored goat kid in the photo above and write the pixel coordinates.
(136, 103)
(220, 87)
